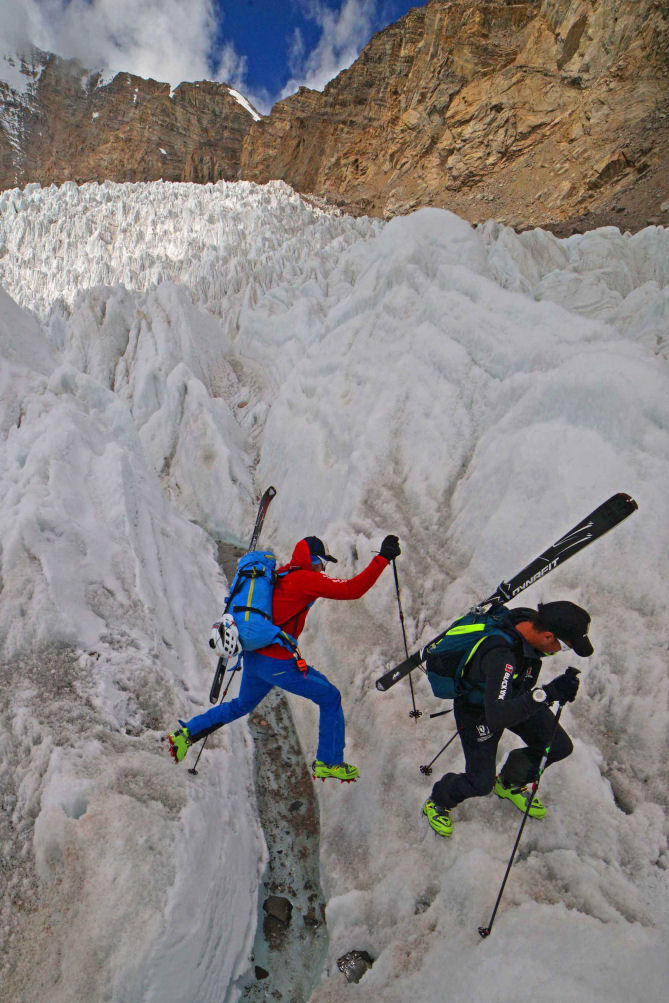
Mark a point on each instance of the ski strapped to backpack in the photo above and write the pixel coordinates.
(250, 606)
(222, 663)
(599, 522)
(263, 505)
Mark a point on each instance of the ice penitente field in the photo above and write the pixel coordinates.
(167, 352)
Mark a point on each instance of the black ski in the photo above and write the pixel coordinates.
(604, 518)
(260, 518)
(222, 663)
(219, 676)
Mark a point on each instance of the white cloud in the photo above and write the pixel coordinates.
(170, 40)
(176, 40)
(296, 49)
(344, 32)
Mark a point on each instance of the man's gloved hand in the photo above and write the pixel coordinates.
(563, 688)
(390, 548)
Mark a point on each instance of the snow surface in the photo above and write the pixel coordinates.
(19, 74)
(244, 103)
(167, 351)
(20, 70)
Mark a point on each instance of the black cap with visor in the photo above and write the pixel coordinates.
(318, 549)
(569, 623)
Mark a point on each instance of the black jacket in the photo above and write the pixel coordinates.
(506, 672)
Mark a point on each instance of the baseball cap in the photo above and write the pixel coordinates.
(318, 549)
(569, 622)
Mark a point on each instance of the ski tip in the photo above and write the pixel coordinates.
(379, 685)
(626, 501)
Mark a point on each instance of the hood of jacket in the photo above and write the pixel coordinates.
(301, 557)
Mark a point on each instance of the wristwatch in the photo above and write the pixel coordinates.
(539, 695)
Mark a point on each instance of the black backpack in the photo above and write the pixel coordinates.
(448, 657)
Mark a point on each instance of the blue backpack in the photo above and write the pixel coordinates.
(250, 602)
(448, 657)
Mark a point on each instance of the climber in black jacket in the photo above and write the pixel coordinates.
(502, 693)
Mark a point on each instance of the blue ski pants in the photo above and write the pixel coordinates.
(259, 676)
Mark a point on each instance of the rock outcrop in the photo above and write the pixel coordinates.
(549, 113)
(528, 112)
(67, 124)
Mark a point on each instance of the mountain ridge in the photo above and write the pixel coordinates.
(474, 103)
(550, 113)
(70, 124)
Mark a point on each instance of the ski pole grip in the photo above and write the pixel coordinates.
(572, 671)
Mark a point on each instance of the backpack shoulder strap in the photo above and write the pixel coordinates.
(496, 637)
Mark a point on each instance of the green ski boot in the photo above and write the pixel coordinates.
(179, 743)
(342, 771)
(438, 817)
(518, 796)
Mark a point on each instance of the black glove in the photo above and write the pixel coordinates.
(390, 548)
(563, 688)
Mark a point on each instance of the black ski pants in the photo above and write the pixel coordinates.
(480, 748)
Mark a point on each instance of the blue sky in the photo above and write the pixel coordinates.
(290, 42)
(264, 48)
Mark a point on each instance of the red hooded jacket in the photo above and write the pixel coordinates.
(295, 592)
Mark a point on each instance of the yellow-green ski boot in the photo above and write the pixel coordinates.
(179, 743)
(438, 817)
(344, 772)
(518, 796)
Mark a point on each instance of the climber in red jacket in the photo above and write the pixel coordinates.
(298, 585)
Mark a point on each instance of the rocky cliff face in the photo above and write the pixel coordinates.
(61, 122)
(548, 113)
(530, 112)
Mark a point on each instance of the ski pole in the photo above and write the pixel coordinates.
(412, 713)
(485, 930)
(427, 769)
(193, 769)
